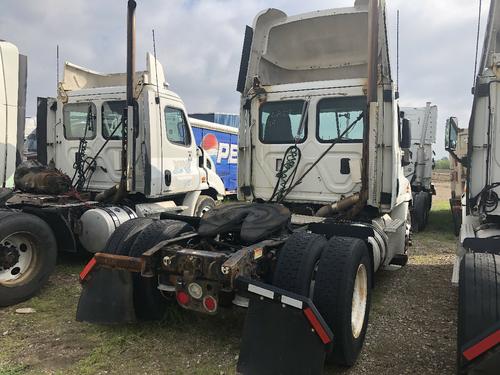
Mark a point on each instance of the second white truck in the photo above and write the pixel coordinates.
(117, 146)
(423, 124)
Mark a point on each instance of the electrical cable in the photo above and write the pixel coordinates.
(79, 164)
(337, 140)
(291, 160)
(92, 165)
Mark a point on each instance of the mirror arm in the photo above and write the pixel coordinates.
(463, 161)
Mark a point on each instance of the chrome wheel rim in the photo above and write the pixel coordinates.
(359, 298)
(23, 243)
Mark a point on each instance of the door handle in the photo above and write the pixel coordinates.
(168, 177)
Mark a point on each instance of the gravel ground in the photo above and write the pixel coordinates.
(412, 326)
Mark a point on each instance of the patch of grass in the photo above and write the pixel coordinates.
(17, 369)
(440, 226)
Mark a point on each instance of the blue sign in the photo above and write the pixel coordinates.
(223, 150)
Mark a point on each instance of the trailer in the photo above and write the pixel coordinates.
(323, 202)
(110, 148)
(477, 266)
(423, 121)
(13, 67)
(220, 143)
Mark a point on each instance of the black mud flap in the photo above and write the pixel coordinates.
(283, 333)
(107, 297)
(479, 314)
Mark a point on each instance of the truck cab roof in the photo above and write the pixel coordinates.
(81, 81)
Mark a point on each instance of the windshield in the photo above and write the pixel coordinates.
(280, 122)
(336, 114)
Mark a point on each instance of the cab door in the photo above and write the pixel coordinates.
(84, 128)
(180, 161)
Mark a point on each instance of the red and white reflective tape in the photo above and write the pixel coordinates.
(87, 269)
(482, 346)
(261, 291)
(309, 313)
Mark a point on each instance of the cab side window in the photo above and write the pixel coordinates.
(341, 117)
(177, 127)
(111, 114)
(79, 120)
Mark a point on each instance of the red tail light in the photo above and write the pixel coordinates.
(210, 303)
(182, 297)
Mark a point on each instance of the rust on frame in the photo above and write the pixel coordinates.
(120, 262)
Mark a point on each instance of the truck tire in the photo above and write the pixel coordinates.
(149, 302)
(32, 256)
(342, 294)
(478, 301)
(420, 212)
(124, 236)
(203, 204)
(297, 261)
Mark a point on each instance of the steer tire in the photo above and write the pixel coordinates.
(478, 305)
(341, 260)
(123, 237)
(37, 238)
(149, 302)
(297, 261)
(204, 204)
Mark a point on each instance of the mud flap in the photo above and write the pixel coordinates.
(107, 297)
(283, 333)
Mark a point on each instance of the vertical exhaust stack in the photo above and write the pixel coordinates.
(130, 51)
(127, 156)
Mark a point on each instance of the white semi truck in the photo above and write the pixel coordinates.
(477, 269)
(125, 154)
(324, 202)
(423, 122)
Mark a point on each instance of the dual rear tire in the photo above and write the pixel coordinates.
(133, 238)
(337, 276)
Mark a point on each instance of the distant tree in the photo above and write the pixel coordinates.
(443, 163)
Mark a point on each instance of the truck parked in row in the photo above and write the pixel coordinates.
(324, 202)
(458, 173)
(423, 124)
(220, 143)
(105, 155)
(477, 267)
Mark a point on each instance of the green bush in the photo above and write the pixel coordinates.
(443, 163)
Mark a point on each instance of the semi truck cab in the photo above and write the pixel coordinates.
(87, 120)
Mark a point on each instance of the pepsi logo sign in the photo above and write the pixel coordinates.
(222, 151)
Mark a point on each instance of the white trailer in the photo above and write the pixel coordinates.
(13, 74)
(423, 122)
(324, 202)
(477, 267)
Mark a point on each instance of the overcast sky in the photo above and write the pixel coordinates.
(199, 44)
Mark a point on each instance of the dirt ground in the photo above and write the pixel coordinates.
(412, 327)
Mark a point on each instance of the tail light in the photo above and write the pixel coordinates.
(210, 303)
(182, 297)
